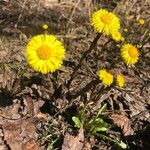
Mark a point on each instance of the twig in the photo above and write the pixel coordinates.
(73, 11)
(20, 15)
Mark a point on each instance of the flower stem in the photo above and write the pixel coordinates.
(85, 89)
(92, 46)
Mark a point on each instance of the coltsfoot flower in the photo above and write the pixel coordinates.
(105, 77)
(122, 38)
(129, 54)
(105, 22)
(141, 21)
(45, 26)
(44, 53)
(120, 80)
(116, 36)
(125, 30)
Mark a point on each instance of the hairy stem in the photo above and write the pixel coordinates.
(85, 89)
(92, 46)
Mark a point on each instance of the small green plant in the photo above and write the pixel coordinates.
(48, 137)
(96, 125)
(93, 125)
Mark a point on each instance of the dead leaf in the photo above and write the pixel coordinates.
(41, 116)
(12, 135)
(31, 145)
(87, 146)
(3, 145)
(37, 106)
(12, 111)
(123, 122)
(20, 133)
(28, 102)
(73, 143)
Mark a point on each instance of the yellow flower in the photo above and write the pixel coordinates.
(141, 21)
(105, 22)
(130, 54)
(45, 26)
(116, 36)
(122, 38)
(120, 80)
(125, 30)
(45, 53)
(106, 77)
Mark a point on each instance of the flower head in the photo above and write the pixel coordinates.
(125, 30)
(141, 21)
(129, 54)
(45, 53)
(105, 22)
(106, 77)
(116, 36)
(45, 26)
(122, 38)
(120, 80)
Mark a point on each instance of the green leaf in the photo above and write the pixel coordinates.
(101, 110)
(115, 1)
(100, 129)
(76, 121)
(100, 125)
(122, 145)
(99, 121)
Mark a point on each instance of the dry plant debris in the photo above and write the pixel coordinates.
(73, 143)
(123, 122)
(19, 132)
(27, 98)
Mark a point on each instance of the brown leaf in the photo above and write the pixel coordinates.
(41, 116)
(37, 106)
(18, 133)
(31, 145)
(73, 143)
(12, 135)
(87, 146)
(3, 147)
(123, 122)
(28, 102)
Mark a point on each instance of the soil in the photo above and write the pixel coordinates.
(36, 110)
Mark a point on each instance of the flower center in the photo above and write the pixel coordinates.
(106, 18)
(133, 52)
(44, 52)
